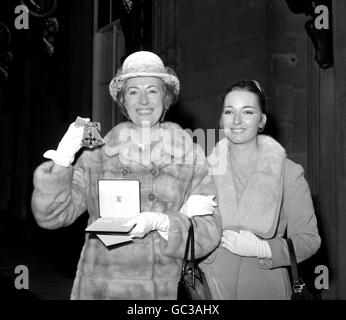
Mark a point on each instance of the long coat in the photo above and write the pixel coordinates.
(276, 200)
(149, 267)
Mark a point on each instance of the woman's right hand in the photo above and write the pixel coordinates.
(245, 243)
(198, 205)
(68, 146)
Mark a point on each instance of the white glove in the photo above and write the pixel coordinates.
(246, 244)
(149, 221)
(68, 146)
(197, 205)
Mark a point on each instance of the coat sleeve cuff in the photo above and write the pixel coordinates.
(265, 263)
(175, 243)
(280, 256)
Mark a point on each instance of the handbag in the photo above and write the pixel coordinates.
(192, 284)
(299, 289)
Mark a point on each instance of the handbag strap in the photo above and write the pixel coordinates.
(190, 246)
(297, 283)
(192, 252)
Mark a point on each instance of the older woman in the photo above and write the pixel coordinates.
(170, 170)
(262, 198)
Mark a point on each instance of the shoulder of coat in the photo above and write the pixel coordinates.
(270, 148)
(293, 172)
(293, 169)
(171, 126)
(115, 131)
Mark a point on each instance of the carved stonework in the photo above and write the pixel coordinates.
(322, 38)
(44, 20)
(40, 8)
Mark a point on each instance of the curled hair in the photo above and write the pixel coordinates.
(170, 98)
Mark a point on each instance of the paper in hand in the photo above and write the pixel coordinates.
(113, 239)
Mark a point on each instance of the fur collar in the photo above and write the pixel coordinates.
(168, 144)
(271, 154)
(259, 207)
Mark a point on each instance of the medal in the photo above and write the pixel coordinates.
(91, 134)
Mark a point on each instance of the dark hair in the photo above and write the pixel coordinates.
(250, 86)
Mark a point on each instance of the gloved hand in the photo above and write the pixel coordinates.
(68, 146)
(246, 244)
(149, 221)
(198, 205)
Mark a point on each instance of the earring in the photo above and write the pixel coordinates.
(260, 129)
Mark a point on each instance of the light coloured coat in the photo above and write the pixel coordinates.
(276, 200)
(147, 268)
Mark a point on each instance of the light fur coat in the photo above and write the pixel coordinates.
(149, 267)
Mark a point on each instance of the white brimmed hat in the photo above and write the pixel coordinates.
(143, 64)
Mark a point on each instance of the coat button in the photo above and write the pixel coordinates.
(151, 197)
(125, 171)
(154, 172)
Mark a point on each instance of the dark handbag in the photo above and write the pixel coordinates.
(192, 284)
(299, 289)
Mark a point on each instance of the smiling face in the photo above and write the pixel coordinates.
(242, 117)
(143, 100)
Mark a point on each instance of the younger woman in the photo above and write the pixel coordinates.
(263, 198)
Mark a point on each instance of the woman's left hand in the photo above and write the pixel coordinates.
(149, 221)
(245, 244)
(198, 205)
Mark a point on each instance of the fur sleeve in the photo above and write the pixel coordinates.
(207, 228)
(58, 198)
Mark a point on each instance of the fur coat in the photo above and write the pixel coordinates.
(149, 267)
(276, 200)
